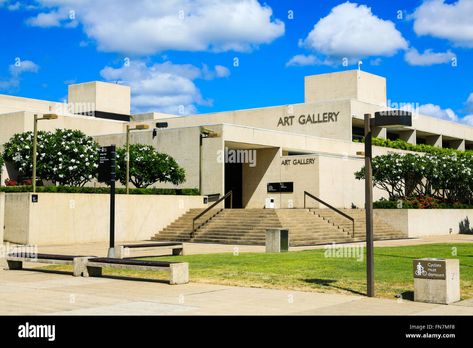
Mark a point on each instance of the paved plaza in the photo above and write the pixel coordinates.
(32, 292)
(44, 293)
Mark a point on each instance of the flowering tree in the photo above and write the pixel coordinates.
(147, 166)
(66, 157)
(447, 177)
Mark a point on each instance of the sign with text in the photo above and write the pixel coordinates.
(429, 269)
(106, 163)
(281, 187)
(321, 117)
(297, 161)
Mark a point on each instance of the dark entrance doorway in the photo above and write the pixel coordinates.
(234, 182)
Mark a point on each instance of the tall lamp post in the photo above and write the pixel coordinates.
(386, 119)
(35, 141)
(127, 159)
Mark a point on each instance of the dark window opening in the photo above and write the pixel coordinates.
(357, 133)
(420, 141)
(392, 136)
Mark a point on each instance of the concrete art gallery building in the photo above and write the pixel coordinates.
(306, 147)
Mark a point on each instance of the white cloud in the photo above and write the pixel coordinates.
(46, 20)
(448, 114)
(303, 60)
(15, 6)
(429, 57)
(468, 119)
(353, 31)
(446, 21)
(23, 66)
(16, 70)
(221, 71)
(163, 87)
(146, 27)
(437, 112)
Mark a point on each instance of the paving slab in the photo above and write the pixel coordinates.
(47, 293)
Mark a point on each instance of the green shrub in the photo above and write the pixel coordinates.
(102, 190)
(403, 145)
(147, 166)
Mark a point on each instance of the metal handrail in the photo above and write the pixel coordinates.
(333, 208)
(228, 194)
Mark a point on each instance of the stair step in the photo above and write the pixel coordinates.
(248, 226)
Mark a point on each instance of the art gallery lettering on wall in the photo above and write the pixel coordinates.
(321, 117)
(298, 161)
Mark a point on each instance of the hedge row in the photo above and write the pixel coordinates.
(415, 203)
(403, 145)
(75, 189)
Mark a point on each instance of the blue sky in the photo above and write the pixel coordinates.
(179, 55)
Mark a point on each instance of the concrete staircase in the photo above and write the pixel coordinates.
(381, 229)
(248, 226)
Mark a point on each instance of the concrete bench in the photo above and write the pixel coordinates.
(178, 271)
(15, 260)
(123, 251)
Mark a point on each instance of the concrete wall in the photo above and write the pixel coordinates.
(2, 215)
(425, 222)
(351, 84)
(18, 122)
(255, 179)
(62, 218)
(287, 118)
(213, 171)
(17, 217)
(182, 144)
(107, 97)
(9, 104)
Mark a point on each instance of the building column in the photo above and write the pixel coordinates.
(379, 132)
(408, 136)
(434, 140)
(458, 144)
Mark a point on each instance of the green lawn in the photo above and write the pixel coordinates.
(312, 271)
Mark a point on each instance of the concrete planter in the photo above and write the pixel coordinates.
(425, 222)
(66, 218)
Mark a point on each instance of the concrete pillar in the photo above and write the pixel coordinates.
(277, 240)
(80, 266)
(179, 273)
(436, 280)
(380, 132)
(408, 136)
(434, 140)
(3, 175)
(458, 144)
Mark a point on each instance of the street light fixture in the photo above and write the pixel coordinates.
(127, 159)
(391, 118)
(35, 140)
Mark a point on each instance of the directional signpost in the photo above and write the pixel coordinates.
(386, 119)
(107, 164)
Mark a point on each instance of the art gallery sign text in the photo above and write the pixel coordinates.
(322, 117)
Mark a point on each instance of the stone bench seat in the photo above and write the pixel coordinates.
(14, 261)
(123, 251)
(178, 271)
